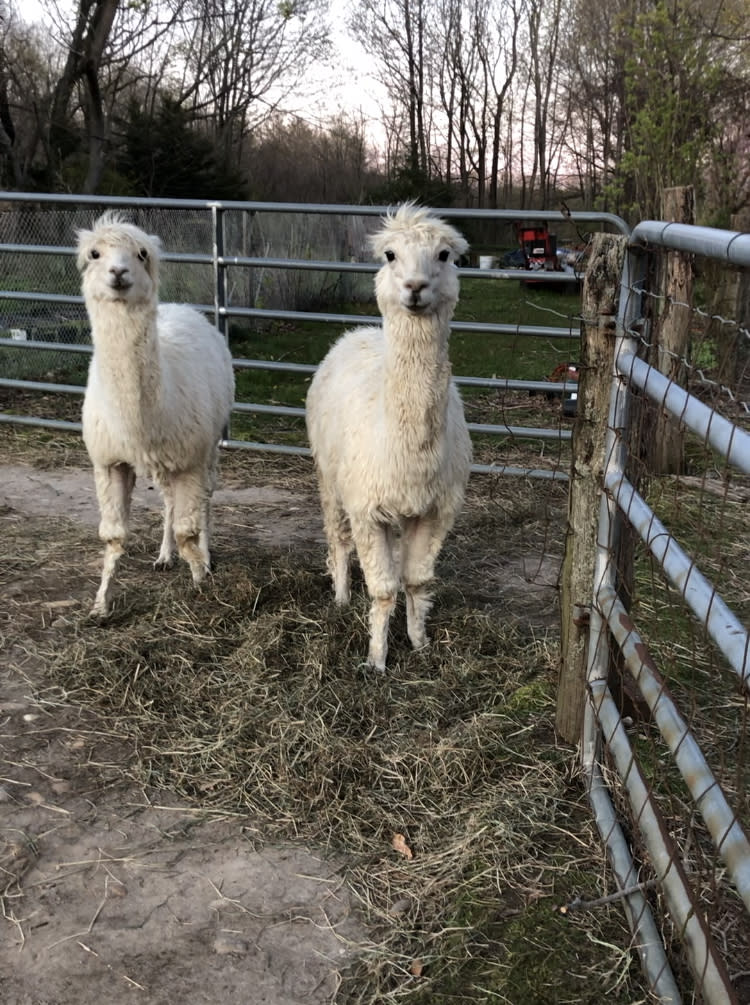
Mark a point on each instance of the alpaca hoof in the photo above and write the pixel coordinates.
(161, 564)
(200, 575)
(375, 661)
(99, 612)
(419, 641)
(369, 664)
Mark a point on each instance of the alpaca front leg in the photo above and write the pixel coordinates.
(114, 490)
(190, 500)
(166, 551)
(380, 618)
(418, 604)
(375, 548)
(421, 541)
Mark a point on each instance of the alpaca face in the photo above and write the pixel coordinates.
(118, 262)
(419, 275)
(417, 279)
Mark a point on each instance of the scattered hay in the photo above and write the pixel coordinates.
(250, 698)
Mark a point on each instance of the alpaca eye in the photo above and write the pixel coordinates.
(93, 253)
(391, 256)
(443, 256)
(142, 255)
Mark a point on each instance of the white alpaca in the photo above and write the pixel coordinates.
(387, 429)
(159, 393)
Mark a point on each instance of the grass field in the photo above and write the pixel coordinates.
(513, 356)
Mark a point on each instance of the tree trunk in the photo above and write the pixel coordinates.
(92, 29)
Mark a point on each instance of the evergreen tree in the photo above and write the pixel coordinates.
(165, 155)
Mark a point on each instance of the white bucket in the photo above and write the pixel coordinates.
(487, 261)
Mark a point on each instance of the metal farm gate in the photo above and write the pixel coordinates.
(664, 676)
(239, 261)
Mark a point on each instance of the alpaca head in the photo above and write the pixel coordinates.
(118, 262)
(419, 276)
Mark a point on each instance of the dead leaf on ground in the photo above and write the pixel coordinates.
(399, 844)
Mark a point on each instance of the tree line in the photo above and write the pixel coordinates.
(490, 103)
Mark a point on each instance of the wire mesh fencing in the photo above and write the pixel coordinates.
(668, 659)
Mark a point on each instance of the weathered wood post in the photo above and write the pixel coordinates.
(731, 300)
(664, 448)
(599, 300)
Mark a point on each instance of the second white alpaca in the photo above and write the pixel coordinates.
(159, 393)
(387, 430)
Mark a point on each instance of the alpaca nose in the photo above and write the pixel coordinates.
(416, 285)
(118, 271)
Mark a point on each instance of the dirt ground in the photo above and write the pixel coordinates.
(115, 893)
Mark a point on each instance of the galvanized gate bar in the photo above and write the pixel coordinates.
(32, 420)
(705, 963)
(609, 623)
(722, 822)
(722, 435)
(730, 246)
(701, 597)
(647, 940)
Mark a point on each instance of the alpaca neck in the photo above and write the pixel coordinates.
(417, 378)
(126, 348)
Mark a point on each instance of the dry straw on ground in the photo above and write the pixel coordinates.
(249, 698)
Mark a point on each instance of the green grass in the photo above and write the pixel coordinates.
(491, 301)
(512, 356)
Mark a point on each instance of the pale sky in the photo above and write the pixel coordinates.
(346, 86)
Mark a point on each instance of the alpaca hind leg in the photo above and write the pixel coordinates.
(166, 551)
(421, 541)
(340, 546)
(114, 490)
(375, 548)
(190, 498)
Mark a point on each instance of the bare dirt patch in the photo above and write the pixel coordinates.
(114, 891)
(199, 797)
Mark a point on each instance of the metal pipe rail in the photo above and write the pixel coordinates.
(705, 962)
(220, 262)
(726, 831)
(720, 433)
(610, 624)
(726, 630)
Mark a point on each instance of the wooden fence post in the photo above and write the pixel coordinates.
(731, 299)
(599, 300)
(665, 447)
